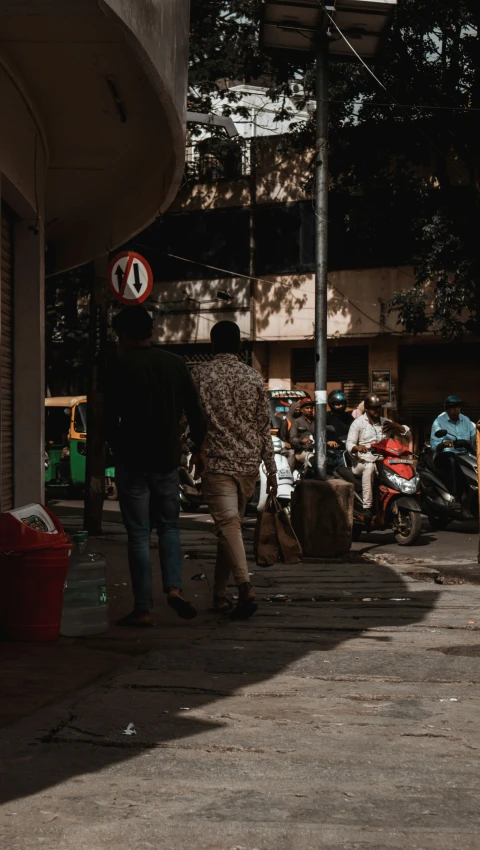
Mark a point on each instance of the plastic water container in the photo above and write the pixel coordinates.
(85, 604)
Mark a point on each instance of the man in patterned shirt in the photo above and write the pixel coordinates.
(238, 439)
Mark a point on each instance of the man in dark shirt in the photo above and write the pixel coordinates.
(338, 418)
(302, 432)
(147, 390)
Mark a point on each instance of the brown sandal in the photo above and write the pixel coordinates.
(184, 609)
(136, 620)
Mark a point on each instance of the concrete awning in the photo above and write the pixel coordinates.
(106, 83)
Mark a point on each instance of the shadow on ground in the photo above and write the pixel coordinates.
(306, 613)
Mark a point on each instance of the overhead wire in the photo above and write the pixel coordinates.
(426, 107)
(404, 108)
(384, 87)
(280, 283)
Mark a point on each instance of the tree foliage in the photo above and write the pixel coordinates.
(405, 178)
(66, 331)
(404, 157)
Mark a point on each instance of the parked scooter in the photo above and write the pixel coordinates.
(191, 498)
(285, 477)
(440, 506)
(396, 492)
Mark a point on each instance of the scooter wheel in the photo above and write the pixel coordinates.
(111, 492)
(410, 529)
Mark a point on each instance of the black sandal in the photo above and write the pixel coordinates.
(184, 609)
(244, 610)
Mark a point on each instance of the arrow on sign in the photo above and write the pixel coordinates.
(137, 284)
(123, 276)
(130, 278)
(119, 276)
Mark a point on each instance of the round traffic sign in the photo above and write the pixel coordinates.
(130, 278)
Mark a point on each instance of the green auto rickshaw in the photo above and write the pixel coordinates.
(66, 448)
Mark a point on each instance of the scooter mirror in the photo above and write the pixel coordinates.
(441, 433)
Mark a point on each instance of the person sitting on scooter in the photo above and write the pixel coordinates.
(338, 418)
(460, 438)
(364, 432)
(302, 432)
(294, 412)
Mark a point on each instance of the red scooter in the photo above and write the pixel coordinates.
(396, 493)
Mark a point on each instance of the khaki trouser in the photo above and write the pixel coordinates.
(367, 469)
(227, 497)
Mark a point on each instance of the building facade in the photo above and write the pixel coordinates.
(92, 145)
(244, 226)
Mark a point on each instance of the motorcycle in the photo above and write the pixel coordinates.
(285, 477)
(440, 506)
(335, 457)
(191, 498)
(396, 492)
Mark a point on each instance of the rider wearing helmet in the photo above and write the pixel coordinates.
(302, 432)
(460, 437)
(368, 429)
(338, 418)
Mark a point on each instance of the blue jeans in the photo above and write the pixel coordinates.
(149, 500)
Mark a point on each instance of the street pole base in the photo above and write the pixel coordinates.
(322, 516)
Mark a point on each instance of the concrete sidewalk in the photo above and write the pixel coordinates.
(344, 715)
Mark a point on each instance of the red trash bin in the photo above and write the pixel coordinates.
(34, 555)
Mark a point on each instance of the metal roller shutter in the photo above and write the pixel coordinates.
(346, 365)
(6, 361)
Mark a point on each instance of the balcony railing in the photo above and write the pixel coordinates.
(228, 163)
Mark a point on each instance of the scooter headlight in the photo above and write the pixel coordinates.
(405, 485)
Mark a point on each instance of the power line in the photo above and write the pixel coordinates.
(409, 105)
(370, 318)
(286, 285)
(383, 86)
(275, 282)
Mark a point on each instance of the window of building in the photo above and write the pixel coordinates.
(215, 159)
(284, 238)
(218, 238)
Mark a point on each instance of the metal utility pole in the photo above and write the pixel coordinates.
(478, 473)
(300, 27)
(321, 258)
(95, 471)
(253, 204)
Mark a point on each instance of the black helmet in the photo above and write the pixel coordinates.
(338, 398)
(453, 401)
(372, 401)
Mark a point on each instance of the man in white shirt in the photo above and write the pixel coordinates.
(364, 432)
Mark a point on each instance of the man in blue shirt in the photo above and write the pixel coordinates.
(460, 437)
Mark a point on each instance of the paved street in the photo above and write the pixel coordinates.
(343, 716)
(457, 546)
